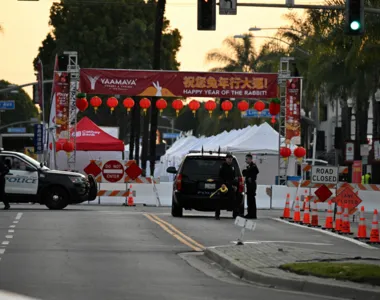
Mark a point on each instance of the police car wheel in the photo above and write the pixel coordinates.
(56, 197)
(177, 211)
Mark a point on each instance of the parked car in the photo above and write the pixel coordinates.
(197, 178)
(29, 181)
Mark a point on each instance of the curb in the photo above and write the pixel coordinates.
(290, 284)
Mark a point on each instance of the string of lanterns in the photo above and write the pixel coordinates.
(299, 152)
(177, 105)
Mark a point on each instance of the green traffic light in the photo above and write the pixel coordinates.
(355, 25)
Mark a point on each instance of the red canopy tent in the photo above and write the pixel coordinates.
(89, 137)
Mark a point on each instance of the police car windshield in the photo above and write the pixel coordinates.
(31, 160)
(203, 166)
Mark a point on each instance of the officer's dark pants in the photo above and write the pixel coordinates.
(231, 196)
(2, 192)
(251, 200)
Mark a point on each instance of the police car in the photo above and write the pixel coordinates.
(31, 181)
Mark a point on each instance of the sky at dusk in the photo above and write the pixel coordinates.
(25, 25)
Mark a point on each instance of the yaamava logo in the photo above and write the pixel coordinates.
(85, 133)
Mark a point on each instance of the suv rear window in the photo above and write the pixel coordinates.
(205, 166)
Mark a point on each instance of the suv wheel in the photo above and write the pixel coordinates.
(56, 197)
(177, 210)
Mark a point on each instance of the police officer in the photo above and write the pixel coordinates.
(4, 170)
(228, 177)
(250, 174)
(366, 178)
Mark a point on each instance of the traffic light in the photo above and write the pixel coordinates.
(354, 17)
(206, 14)
(63, 62)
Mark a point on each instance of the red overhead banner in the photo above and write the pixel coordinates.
(178, 84)
(293, 111)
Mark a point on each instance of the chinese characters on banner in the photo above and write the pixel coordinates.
(293, 111)
(357, 170)
(62, 88)
(178, 84)
(38, 138)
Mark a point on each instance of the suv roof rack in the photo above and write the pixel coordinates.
(209, 152)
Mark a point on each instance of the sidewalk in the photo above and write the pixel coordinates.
(260, 263)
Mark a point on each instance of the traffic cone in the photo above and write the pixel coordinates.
(306, 192)
(314, 215)
(362, 230)
(374, 236)
(297, 213)
(306, 214)
(338, 220)
(346, 228)
(130, 201)
(286, 213)
(329, 223)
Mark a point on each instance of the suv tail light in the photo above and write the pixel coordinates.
(241, 185)
(179, 182)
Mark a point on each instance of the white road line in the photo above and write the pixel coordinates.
(11, 231)
(364, 245)
(15, 222)
(12, 226)
(2, 251)
(18, 216)
(284, 242)
(9, 236)
(5, 243)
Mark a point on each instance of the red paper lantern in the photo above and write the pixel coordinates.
(227, 106)
(112, 103)
(285, 152)
(144, 104)
(81, 104)
(210, 106)
(177, 105)
(194, 105)
(68, 146)
(259, 106)
(128, 103)
(274, 109)
(299, 152)
(58, 147)
(95, 102)
(243, 106)
(161, 104)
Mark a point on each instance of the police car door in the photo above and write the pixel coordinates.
(22, 177)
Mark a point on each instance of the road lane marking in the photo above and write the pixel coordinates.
(178, 237)
(9, 236)
(12, 226)
(178, 231)
(359, 243)
(18, 216)
(11, 231)
(15, 222)
(284, 242)
(2, 251)
(5, 243)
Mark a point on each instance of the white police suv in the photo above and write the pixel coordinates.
(31, 181)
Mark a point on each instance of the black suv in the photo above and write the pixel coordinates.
(197, 178)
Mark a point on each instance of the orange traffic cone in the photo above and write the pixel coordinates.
(306, 214)
(130, 201)
(346, 228)
(374, 236)
(286, 213)
(306, 192)
(329, 223)
(362, 230)
(314, 215)
(338, 220)
(297, 213)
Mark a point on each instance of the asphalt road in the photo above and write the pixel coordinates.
(89, 252)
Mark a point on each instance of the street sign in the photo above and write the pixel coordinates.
(169, 135)
(38, 138)
(227, 7)
(133, 171)
(7, 105)
(348, 197)
(323, 174)
(113, 171)
(247, 224)
(252, 113)
(16, 129)
(323, 193)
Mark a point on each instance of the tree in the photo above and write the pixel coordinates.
(25, 108)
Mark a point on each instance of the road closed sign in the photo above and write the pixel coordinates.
(326, 175)
(113, 171)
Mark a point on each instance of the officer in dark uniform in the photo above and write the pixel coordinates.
(228, 177)
(4, 170)
(250, 174)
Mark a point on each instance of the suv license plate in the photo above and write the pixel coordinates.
(209, 186)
